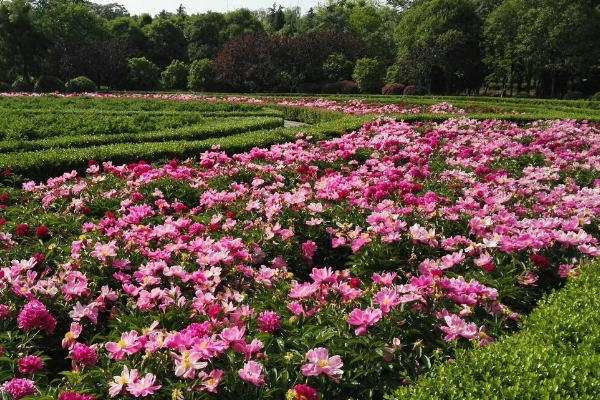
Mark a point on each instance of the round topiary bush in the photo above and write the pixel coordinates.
(81, 84)
(573, 95)
(19, 85)
(143, 74)
(415, 90)
(596, 97)
(331, 88)
(348, 87)
(175, 76)
(395, 89)
(368, 75)
(49, 84)
(310, 88)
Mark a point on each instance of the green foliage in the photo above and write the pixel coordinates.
(573, 95)
(309, 88)
(175, 76)
(554, 356)
(4, 87)
(414, 90)
(81, 84)
(142, 75)
(49, 84)
(337, 68)
(596, 97)
(201, 75)
(368, 75)
(20, 85)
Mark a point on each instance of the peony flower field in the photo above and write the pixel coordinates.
(332, 269)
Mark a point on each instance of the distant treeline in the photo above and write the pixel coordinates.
(546, 48)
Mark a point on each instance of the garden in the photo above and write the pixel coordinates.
(192, 247)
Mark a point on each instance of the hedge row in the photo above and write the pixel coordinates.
(41, 165)
(555, 355)
(221, 127)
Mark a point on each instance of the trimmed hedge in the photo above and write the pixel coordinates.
(49, 84)
(44, 164)
(81, 84)
(555, 356)
(207, 129)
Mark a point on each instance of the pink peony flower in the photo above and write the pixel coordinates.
(143, 386)
(365, 318)
(29, 364)
(83, 354)
(74, 396)
(319, 362)
(252, 373)
(35, 315)
(268, 322)
(4, 311)
(18, 387)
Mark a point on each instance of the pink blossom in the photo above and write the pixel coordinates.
(143, 386)
(18, 387)
(268, 322)
(363, 319)
(128, 345)
(83, 354)
(35, 315)
(116, 386)
(319, 362)
(211, 381)
(251, 372)
(29, 364)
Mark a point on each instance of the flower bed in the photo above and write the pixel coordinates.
(342, 268)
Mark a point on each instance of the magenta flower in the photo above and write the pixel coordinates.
(83, 354)
(302, 392)
(252, 373)
(18, 387)
(268, 322)
(319, 362)
(35, 315)
(364, 318)
(457, 327)
(74, 396)
(29, 364)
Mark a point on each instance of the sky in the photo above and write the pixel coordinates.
(153, 7)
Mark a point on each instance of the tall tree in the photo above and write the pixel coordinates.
(446, 35)
(165, 42)
(205, 34)
(21, 40)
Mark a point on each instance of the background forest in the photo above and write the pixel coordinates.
(543, 48)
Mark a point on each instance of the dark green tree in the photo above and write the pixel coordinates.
(165, 42)
(205, 35)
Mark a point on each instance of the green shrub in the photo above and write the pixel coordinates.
(555, 356)
(392, 74)
(337, 67)
(395, 89)
(573, 95)
(81, 84)
(414, 90)
(331, 88)
(19, 85)
(175, 76)
(309, 88)
(367, 75)
(143, 74)
(201, 75)
(522, 95)
(4, 87)
(348, 87)
(282, 88)
(596, 97)
(49, 84)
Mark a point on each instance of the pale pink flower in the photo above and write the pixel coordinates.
(116, 386)
(211, 381)
(128, 345)
(143, 386)
(251, 372)
(187, 363)
(319, 362)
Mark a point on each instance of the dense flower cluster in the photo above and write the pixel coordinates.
(293, 270)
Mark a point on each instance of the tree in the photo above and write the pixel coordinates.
(368, 75)
(175, 76)
(142, 75)
(440, 38)
(205, 35)
(21, 40)
(201, 75)
(165, 42)
(241, 22)
(125, 30)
